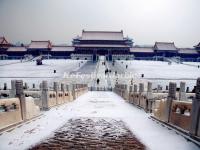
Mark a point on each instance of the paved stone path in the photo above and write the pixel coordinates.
(91, 133)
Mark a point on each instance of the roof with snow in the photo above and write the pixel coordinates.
(102, 35)
(40, 45)
(17, 49)
(62, 48)
(142, 49)
(165, 46)
(3, 41)
(187, 51)
(197, 46)
(103, 45)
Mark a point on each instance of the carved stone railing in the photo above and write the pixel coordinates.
(181, 114)
(27, 103)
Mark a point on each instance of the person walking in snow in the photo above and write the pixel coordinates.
(115, 73)
(132, 81)
(98, 81)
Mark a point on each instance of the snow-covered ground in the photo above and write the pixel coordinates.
(161, 73)
(31, 73)
(96, 104)
(7, 62)
(156, 71)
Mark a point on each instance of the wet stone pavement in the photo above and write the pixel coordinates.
(91, 133)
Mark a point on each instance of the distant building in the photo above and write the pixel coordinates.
(165, 49)
(197, 46)
(61, 51)
(17, 52)
(189, 54)
(105, 43)
(141, 52)
(3, 47)
(92, 44)
(3, 43)
(39, 47)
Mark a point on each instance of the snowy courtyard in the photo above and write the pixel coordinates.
(31, 73)
(157, 72)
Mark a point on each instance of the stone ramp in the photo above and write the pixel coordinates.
(91, 133)
(116, 67)
(87, 68)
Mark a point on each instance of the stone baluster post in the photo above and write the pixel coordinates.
(141, 88)
(21, 96)
(62, 87)
(40, 86)
(122, 90)
(161, 88)
(45, 95)
(56, 86)
(170, 98)
(74, 91)
(149, 87)
(130, 93)
(25, 86)
(172, 91)
(70, 90)
(182, 94)
(135, 88)
(125, 91)
(195, 123)
(149, 97)
(33, 85)
(131, 88)
(5, 86)
(56, 89)
(187, 90)
(67, 87)
(63, 90)
(13, 88)
(158, 88)
(125, 87)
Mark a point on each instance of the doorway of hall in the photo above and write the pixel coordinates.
(103, 57)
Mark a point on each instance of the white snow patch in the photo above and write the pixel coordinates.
(159, 69)
(31, 73)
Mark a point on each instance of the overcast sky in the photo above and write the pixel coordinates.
(146, 21)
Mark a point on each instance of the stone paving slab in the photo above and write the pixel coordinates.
(91, 133)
